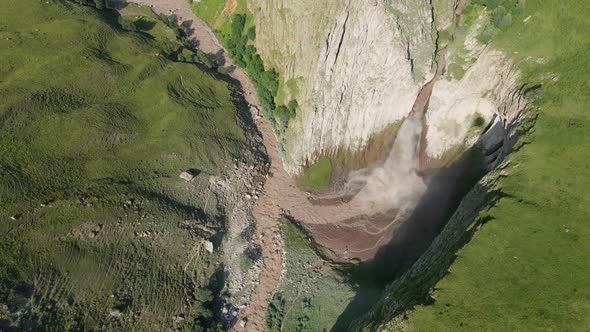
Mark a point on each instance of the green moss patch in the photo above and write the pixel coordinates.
(317, 175)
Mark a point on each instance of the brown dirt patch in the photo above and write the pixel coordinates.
(357, 238)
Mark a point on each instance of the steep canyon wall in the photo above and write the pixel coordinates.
(354, 66)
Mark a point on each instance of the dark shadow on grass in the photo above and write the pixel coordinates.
(362, 302)
(186, 27)
(145, 25)
(187, 211)
(218, 57)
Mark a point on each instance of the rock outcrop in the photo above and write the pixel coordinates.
(456, 104)
(354, 66)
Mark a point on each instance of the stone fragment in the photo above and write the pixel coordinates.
(208, 246)
(186, 176)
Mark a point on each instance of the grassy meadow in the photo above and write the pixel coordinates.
(97, 230)
(316, 176)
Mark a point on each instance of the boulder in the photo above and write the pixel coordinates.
(208, 246)
(186, 176)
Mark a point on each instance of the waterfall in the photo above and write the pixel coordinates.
(395, 183)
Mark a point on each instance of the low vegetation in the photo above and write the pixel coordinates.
(238, 34)
(312, 294)
(316, 176)
(474, 21)
(502, 13)
(186, 52)
(97, 122)
(266, 81)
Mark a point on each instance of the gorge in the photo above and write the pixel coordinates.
(367, 74)
(293, 165)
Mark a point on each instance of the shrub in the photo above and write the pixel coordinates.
(502, 15)
(222, 70)
(479, 121)
(238, 24)
(275, 313)
(100, 4)
(486, 35)
(265, 81)
(127, 24)
(282, 116)
(201, 57)
(293, 105)
(252, 33)
(184, 52)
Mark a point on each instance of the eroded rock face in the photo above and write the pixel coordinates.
(456, 104)
(357, 66)
(487, 92)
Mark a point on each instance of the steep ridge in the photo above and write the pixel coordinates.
(267, 209)
(99, 232)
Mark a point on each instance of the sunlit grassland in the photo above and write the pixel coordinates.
(95, 126)
(528, 267)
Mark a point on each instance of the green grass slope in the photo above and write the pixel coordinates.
(528, 268)
(312, 294)
(95, 127)
(317, 176)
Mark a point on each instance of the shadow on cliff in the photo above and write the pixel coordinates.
(426, 244)
(446, 189)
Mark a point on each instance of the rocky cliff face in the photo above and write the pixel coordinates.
(354, 66)
(357, 67)
(456, 104)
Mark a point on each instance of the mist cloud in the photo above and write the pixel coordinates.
(395, 183)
